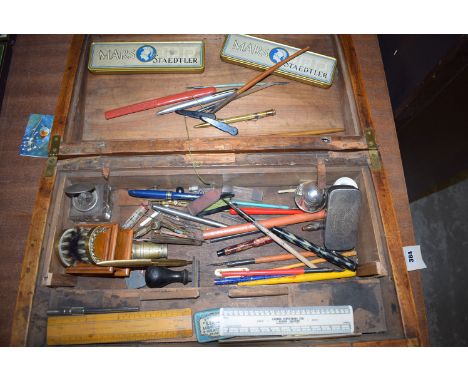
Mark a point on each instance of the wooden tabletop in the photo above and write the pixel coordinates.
(33, 87)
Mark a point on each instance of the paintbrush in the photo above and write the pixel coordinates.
(254, 81)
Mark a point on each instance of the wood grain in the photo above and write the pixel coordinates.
(33, 85)
(213, 145)
(38, 222)
(373, 75)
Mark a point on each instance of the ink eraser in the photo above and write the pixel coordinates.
(342, 220)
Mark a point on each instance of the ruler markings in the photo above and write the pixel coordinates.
(286, 321)
(119, 327)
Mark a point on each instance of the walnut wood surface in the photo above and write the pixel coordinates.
(32, 253)
(33, 86)
(374, 82)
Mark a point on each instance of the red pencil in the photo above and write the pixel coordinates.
(157, 102)
(264, 272)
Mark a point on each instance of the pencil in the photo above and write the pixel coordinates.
(300, 278)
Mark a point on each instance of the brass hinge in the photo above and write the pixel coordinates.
(54, 149)
(374, 156)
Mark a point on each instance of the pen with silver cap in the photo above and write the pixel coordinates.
(187, 216)
(197, 102)
(215, 98)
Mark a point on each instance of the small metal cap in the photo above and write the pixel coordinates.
(79, 188)
(309, 197)
(345, 181)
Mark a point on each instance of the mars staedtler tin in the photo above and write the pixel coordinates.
(252, 52)
(147, 57)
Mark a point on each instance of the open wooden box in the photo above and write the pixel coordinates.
(144, 150)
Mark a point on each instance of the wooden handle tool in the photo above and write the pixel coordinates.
(267, 72)
(268, 223)
(256, 79)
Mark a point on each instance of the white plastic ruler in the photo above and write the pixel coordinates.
(307, 320)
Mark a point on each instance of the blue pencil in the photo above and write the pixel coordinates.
(167, 195)
(235, 280)
(264, 205)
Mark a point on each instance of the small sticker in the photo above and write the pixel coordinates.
(413, 258)
(36, 136)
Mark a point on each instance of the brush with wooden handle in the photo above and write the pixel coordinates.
(255, 80)
(213, 233)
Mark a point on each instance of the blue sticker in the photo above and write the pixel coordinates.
(36, 136)
(146, 53)
(278, 55)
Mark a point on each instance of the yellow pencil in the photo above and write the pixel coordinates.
(300, 278)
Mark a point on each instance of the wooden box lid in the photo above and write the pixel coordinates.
(305, 115)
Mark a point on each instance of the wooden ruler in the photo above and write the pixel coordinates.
(119, 327)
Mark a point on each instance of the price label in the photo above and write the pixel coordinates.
(413, 258)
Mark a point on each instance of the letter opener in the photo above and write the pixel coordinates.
(212, 98)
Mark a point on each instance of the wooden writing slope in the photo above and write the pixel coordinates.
(141, 150)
